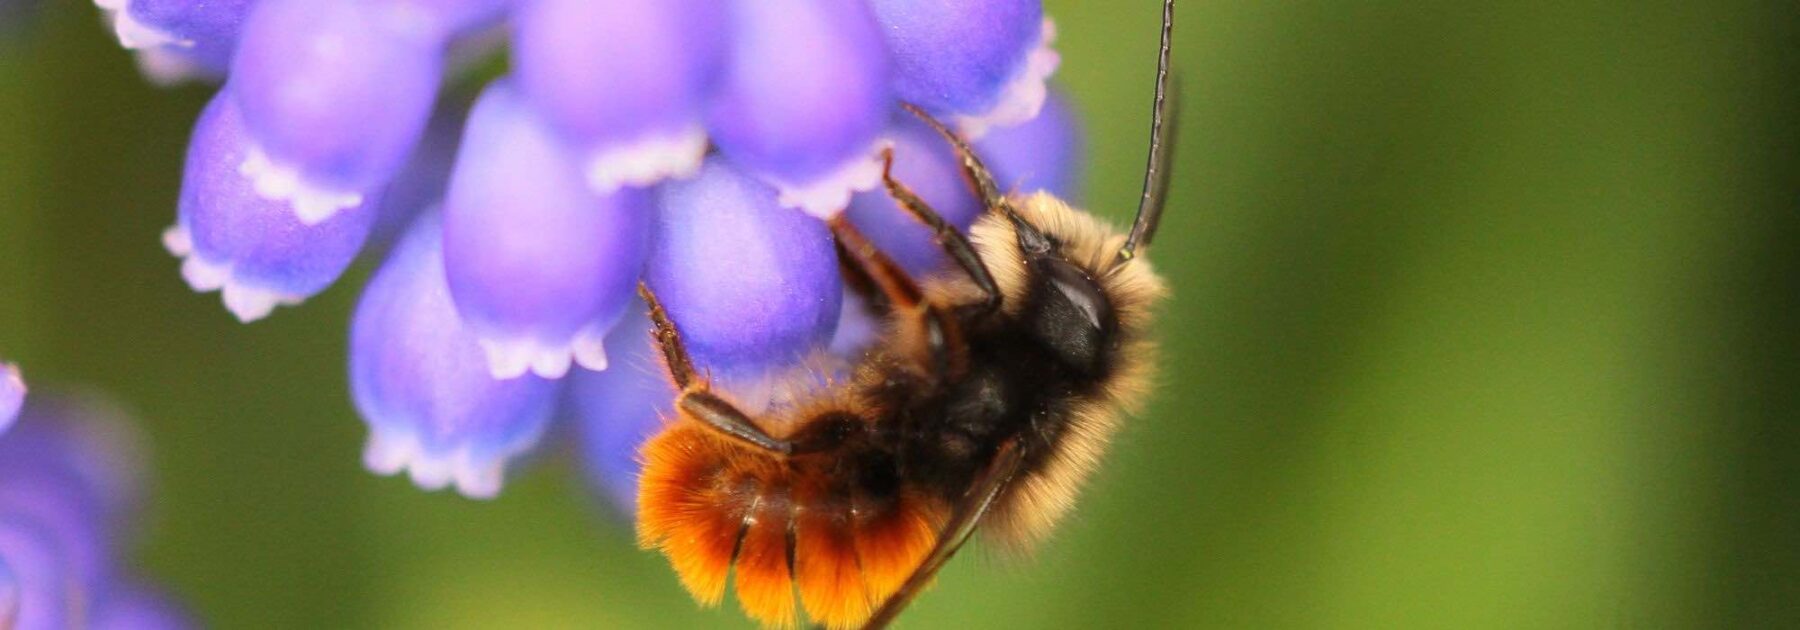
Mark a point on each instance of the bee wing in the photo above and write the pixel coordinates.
(966, 515)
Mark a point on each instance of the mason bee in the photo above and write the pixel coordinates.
(985, 404)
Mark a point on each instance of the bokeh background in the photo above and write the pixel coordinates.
(1485, 315)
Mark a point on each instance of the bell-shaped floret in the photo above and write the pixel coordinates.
(625, 81)
(334, 94)
(804, 99)
(983, 64)
(751, 285)
(540, 266)
(179, 39)
(420, 379)
(252, 250)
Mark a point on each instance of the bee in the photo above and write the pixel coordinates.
(985, 403)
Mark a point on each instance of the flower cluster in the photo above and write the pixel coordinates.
(68, 489)
(696, 146)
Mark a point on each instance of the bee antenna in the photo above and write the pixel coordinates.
(1162, 145)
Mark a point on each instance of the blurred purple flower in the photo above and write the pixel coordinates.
(1043, 153)
(924, 162)
(178, 40)
(983, 64)
(139, 607)
(334, 94)
(692, 145)
(67, 494)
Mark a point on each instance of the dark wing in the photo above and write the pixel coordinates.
(967, 514)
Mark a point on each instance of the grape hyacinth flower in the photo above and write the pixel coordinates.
(696, 147)
(625, 81)
(178, 40)
(252, 250)
(540, 266)
(68, 489)
(420, 378)
(982, 64)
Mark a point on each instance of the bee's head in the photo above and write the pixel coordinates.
(1057, 270)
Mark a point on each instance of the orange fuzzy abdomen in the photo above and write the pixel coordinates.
(710, 504)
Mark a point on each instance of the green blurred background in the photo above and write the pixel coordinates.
(1484, 316)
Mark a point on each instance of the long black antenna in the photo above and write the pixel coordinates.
(1162, 144)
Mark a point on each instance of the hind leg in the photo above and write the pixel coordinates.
(696, 400)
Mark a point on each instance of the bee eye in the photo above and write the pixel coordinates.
(1081, 292)
(1070, 313)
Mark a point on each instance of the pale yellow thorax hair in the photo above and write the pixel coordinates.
(1025, 516)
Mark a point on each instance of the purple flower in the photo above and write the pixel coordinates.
(627, 81)
(67, 492)
(804, 99)
(540, 267)
(178, 40)
(139, 607)
(751, 285)
(981, 63)
(334, 94)
(254, 251)
(924, 162)
(1043, 153)
(421, 380)
(692, 145)
(9, 595)
(1040, 154)
(42, 586)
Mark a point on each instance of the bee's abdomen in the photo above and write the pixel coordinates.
(710, 504)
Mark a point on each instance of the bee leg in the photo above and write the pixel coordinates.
(954, 243)
(857, 280)
(675, 355)
(726, 418)
(695, 399)
(936, 338)
(977, 174)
